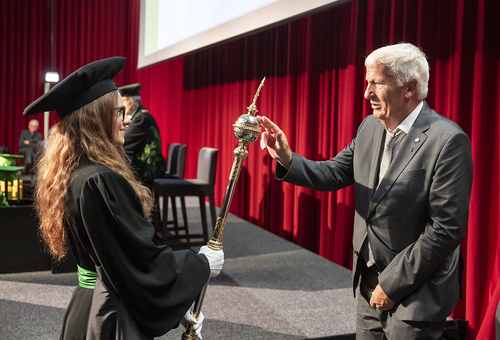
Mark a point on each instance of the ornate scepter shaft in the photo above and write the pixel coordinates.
(247, 130)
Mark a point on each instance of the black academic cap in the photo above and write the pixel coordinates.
(83, 86)
(130, 90)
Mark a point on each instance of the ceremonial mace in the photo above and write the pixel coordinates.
(247, 130)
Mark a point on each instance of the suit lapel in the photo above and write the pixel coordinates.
(411, 145)
(375, 161)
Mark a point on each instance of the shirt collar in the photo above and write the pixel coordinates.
(406, 124)
(133, 114)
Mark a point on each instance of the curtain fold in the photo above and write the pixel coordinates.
(23, 64)
(483, 255)
(313, 91)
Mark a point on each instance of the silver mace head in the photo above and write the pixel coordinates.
(247, 126)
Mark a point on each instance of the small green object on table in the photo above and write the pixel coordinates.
(8, 172)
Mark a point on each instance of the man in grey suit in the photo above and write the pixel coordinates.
(412, 173)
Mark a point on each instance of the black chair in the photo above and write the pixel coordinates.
(176, 162)
(202, 187)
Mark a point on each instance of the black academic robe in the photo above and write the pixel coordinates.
(143, 146)
(142, 290)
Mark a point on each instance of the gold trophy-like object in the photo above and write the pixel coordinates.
(247, 130)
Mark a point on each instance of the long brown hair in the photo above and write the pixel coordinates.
(87, 132)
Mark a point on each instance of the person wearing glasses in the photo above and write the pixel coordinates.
(142, 137)
(88, 199)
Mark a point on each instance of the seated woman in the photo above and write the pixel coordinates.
(86, 194)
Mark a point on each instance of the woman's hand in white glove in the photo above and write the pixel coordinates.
(215, 259)
(189, 319)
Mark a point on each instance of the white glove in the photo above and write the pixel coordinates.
(215, 259)
(189, 319)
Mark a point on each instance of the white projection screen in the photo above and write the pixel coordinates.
(170, 28)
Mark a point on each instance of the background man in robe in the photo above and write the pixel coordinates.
(142, 137)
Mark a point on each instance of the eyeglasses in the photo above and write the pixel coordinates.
(121, 111)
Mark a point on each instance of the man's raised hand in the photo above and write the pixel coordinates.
(275, 141)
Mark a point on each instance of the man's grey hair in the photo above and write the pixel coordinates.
(405, 62)
(134, 98)
(34, 121)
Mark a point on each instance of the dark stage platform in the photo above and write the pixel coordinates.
(269, 289)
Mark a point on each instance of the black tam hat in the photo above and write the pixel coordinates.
(83, 86)
(130, 90)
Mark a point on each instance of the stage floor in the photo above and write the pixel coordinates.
(269, 289)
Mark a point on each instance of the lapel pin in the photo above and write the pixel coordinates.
(417, 140)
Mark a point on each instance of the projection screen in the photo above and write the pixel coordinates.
(170, 28)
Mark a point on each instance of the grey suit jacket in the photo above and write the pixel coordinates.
(415, 219)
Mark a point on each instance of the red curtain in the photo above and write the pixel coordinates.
(23, 64)
(314, 91)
